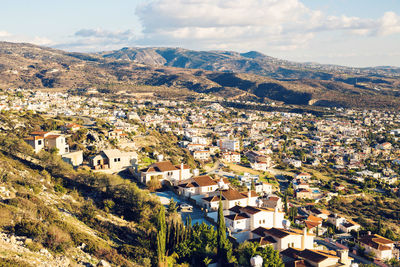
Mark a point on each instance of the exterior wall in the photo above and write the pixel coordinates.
(267, 188)
(97, 161)
(146, 177)
(279, 216)
(201, 155)
(119, 163)
(264, 219)
(187, 192)
(380, 254)
(252, 201)
(230, 145)
(348, 230)
(37, 145)
(185, 174)
(207, 189)
(74, 158)
(58, 143)
(230, 204)
(238, 225)
(336, 221)
(172, 176)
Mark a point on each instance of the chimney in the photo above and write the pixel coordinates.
(343, 254)
(276, 217)
(181, 172)
(303, 238)
(369, 232)
(249, 198)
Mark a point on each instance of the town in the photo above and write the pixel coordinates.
(308, 185)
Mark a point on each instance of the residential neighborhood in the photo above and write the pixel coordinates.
(277, 175)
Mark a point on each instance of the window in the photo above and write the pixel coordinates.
(117, 159)
(39, 142)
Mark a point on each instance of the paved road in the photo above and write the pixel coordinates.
(197, 215)
(87, 121)
(357, 259)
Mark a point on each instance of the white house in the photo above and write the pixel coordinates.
(47, 140)
(199, 185)
(383, 248)
(201, 155)
(249, 218)
(113, 160)
(231, 157)
(165, 170)
(279, 238)
(317, 258)
(228, 145)
(74, 158)
(230, 198)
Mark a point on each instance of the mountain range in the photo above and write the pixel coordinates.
(177, 71)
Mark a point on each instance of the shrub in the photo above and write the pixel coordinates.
(33, 246)
(13, 262)
(30, 229)
(6, 217)
(57, 239)
(59, 188)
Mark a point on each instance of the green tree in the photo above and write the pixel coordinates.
(172, 208)
(221, 236)
(247, 250)
(161, 236)
(285, 203)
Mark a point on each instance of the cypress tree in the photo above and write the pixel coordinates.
(221, 234)
(285, 203)
(161, 236)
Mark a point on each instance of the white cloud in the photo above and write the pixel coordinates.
(4, 34)
(390, 24)
(245, 25)
(97, 40)
(38, 40)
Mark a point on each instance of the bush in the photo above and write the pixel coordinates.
(6, 217)
(57, 239)
(13, 262)
(30, 229)
(59, 188)
(33, 246)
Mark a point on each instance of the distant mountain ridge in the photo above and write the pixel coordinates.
(181, 72)
(250, 62)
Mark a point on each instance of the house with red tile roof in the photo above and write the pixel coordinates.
(199, 185)
(382, 247)
(165, 171)
(249, 218)
(47, 140)
(312, 257)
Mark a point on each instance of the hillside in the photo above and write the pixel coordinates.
(52, 215)
(164, 72)
(250, 62)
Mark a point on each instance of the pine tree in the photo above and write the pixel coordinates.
(161, 236)
(253, 186)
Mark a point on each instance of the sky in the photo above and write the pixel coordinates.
(355, 33)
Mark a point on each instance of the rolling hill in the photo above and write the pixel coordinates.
(181, 72)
